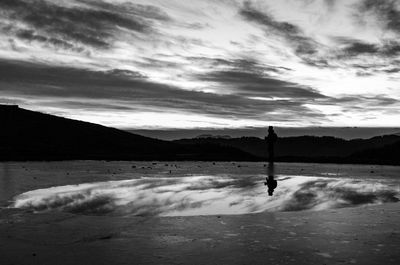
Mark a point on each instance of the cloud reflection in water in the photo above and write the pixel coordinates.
(207, 195)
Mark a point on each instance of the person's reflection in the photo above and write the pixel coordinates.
(270, 181)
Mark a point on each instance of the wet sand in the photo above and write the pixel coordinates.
(361, 235)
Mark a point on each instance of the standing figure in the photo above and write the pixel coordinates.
(271, 139)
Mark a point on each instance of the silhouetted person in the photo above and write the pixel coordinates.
(271, 139)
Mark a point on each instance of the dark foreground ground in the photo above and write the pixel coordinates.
(364, 235)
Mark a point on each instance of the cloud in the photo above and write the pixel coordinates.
(327, 54)
(392, 70)
(361, 48)
(361, 102)
(90, 23)
(328, 3)
(221, 194)
(237, 64)
(295, 37)
(31, 35)
(234, 60)
(253, 95)
(124, 88)
(138, 10)
(387, 12)
(257, 84)
(354, 47)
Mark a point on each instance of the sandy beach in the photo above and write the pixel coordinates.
(88, 212)
(363, 235)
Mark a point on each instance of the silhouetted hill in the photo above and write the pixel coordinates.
(306, 148)
(205, 136)
(388, 154)
(29, 135)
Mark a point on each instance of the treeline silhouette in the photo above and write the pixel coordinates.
(29, 135)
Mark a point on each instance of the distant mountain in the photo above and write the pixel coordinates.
(301, 146)
(206, 136)
(306, 148)
(346, 133)
(388, 154)
(29, 135)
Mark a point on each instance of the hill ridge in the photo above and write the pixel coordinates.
(30, 135)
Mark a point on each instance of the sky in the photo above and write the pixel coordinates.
(175, 64)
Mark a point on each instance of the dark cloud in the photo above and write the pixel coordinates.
(144, 11)
(125, 73)
(85, 104)
(303, 46)
(215, 63)
(362, 104)
(316, 62)
(386, 11)
(361, 48)
(93, 25)
(378, 100)
(372, 68)
(392, 70)
(31, 35)
(391, 48)
(348, 48)
(159, 63)
(197, 26)
(238, 64)
(256, 84)
(63, 84)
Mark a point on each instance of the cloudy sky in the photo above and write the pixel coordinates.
(150, 64)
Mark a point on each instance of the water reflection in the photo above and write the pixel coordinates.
(206, 195)
(270, 180)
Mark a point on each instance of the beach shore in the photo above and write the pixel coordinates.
(360, 235)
